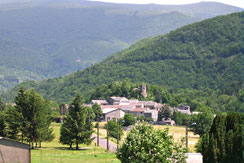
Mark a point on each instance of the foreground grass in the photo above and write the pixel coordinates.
(54, 152)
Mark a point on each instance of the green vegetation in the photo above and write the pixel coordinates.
(146, 144)
(55, 152)
(201, 123)
(128, 119)
(97, 111)
(224, 142)
(34, 46)
(180, 118)
(77, 127)
(28, 120)
(164, 113)
(112, 127)
(207, 56)
(2, 119)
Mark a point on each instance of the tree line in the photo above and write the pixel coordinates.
(28, 120)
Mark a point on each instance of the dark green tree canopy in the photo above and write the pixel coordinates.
(224, 142)
(77, 127)
(29, 119)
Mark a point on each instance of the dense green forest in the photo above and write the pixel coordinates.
(208, 55)
(50, 38)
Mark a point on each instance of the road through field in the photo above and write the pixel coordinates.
(103, 143)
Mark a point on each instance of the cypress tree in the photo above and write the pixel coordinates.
(212, 149)
(225, 143)
(204, 147)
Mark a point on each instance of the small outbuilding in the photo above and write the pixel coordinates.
(14, 151)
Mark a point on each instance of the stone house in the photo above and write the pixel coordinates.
(100, 102)
(151, 114)
(138, 111)
(14, 151)
(183, 109)
(110, 113)
(118, 101)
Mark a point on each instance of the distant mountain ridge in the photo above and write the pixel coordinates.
(50, 38)
(208, 54)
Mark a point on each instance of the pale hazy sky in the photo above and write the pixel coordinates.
(238, 3)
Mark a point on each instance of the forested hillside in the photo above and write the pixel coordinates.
(199, 100)
(51, 38)
(208, 54)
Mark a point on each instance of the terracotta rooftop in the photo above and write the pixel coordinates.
(139, 110)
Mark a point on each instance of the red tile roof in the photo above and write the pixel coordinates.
(139, 110)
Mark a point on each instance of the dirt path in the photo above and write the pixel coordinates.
(103, 143)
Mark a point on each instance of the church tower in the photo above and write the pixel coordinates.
(143, 90)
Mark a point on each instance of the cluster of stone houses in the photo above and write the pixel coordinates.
(116, 107)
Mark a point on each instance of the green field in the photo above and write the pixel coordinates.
(177, 132)
(55, 152)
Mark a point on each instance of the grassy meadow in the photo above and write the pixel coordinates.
(54, 152)
(176, 131)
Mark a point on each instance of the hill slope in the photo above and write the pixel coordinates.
(51, 38)
(209, 54)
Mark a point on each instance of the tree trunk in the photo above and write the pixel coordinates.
(36, 144)
(32, 145)
(77, 146)
(70, 146)
(40, 144)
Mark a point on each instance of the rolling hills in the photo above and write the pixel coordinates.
(208, 54)
(51, 38)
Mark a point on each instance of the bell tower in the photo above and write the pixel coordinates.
(143, 90)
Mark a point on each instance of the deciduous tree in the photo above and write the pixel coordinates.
(146, 144)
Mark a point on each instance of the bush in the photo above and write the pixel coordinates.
(141, 118)
(129, 120)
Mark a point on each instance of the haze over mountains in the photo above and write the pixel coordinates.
(204, 55)
(49, 38)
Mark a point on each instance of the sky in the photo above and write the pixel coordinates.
(238, 3)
